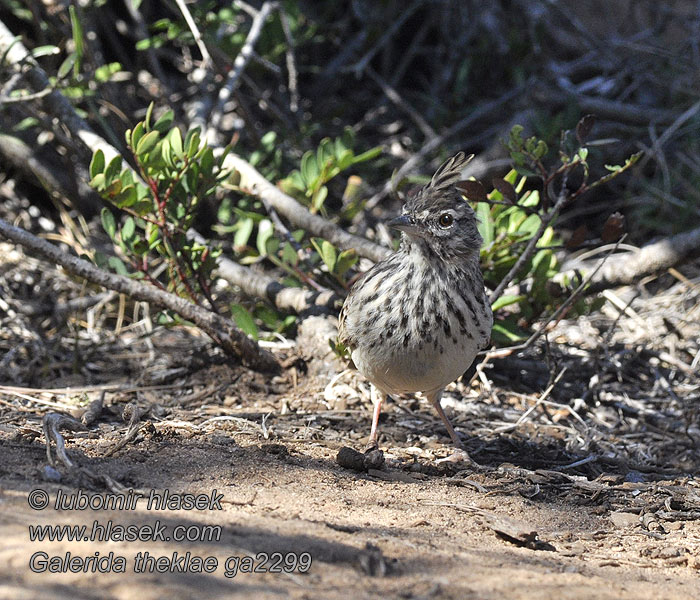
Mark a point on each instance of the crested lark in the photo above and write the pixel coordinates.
(415, 321)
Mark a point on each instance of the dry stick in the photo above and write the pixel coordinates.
(291, 62)
(227, 335)
(239, 64)
(361, 64)
(55, 102)
(259, 285)
(297, 214)
(51, 423)
(434, 142)
(195, 32)
(651, 259)
(396, 98)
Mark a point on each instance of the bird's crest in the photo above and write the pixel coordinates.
(450, 172)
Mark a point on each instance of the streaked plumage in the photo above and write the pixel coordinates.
(415, 321)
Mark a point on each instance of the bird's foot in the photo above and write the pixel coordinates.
(374, 457)
(371, 446)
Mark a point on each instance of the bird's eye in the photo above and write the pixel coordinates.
(445, 220)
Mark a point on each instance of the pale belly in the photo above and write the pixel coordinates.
(410, 370)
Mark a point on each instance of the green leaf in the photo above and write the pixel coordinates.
(265, 232)
(108, 222)
(319, 198)
(244, 320)
(97, 164)
(530, 225)
(98, 182)
(26, 123)
(268, 140)
(484, 224)
(147, 120)
(77, 29)
(309, 168)
(506, 300)
(507, 332)
(368, 155)
(113, 169)
(147, 142)
(105, 72)
(326, 251)
(117, 265)
(289, 254)
(66, 66)
(164, 122)
(47, 50)
(192, 141)
(128, 231)
(346, 259)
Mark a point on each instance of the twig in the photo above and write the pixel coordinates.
(361, 64)
(260, 285)
(57, 104)
(575, 294)
(291, 61)
(195, 32)
(531, 246)
(221, 330)
(606, 109)
(648, 260)
(51, 423)
(133, 413)
(396, 98)
(24, 97)
(541, 400)
(239, 65)
(478, 114)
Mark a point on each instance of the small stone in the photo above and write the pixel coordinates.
(624, 519)
(49, 473)
(350, 458)
(374, 459)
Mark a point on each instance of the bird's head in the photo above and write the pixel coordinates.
(437, 216)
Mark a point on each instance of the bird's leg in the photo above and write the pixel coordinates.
(378, 398)
(460, 453)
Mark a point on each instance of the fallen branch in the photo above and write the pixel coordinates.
(221, 330)
(260, 285)
(649, 260)
(55, 103)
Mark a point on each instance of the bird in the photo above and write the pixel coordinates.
(416, 320)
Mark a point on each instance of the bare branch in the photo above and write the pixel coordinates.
(221, 330)
(239, 65)
(651, 259)
(195, 31)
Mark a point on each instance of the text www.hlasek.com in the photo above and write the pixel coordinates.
(111, 532)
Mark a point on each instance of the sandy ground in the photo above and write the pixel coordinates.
(394, 533)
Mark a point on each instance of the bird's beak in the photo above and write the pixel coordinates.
(403, 223)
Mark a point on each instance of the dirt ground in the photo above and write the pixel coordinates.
(587, 452)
